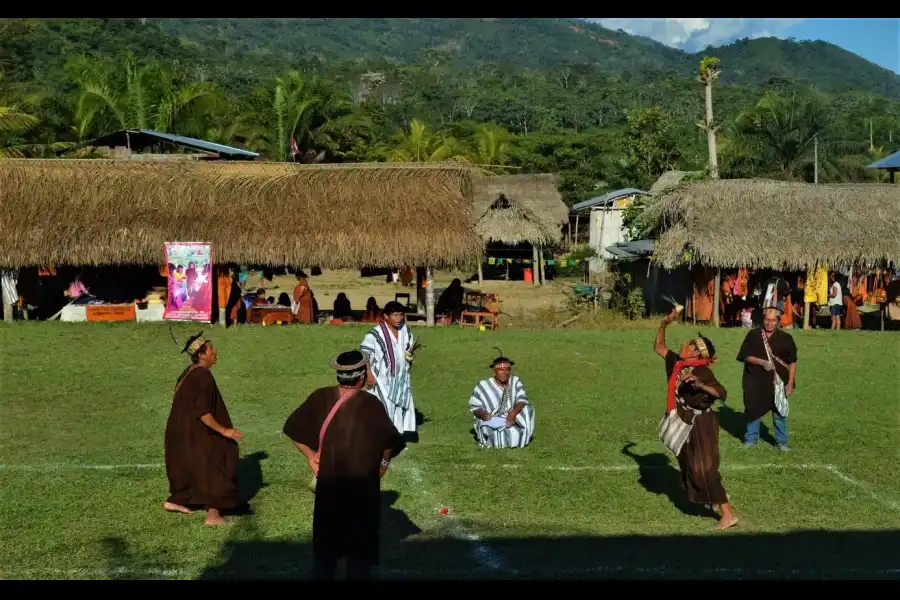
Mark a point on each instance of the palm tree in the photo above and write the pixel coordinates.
(491, 145)
(14, 122)
(421, 145)
(776, 136)
(148, 97)
(295, 104)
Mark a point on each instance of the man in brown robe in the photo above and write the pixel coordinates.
(760, 371)
(693, 388)
(357, 442)
(201, 442)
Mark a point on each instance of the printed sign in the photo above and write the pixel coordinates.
(110, 312)
(190, 281)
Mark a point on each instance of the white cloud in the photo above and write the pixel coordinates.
(695, 34)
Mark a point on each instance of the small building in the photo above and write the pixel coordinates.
(129, 144)
(518, 215)
(606, 218)
(891, 164)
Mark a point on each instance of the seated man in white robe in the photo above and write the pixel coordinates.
(503, 416)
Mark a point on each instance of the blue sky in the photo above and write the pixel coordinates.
(877, 40)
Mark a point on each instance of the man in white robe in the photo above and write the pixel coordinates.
(504, 418)
(390, 348)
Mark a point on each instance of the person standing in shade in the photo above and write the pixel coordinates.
(348, 441)
(835, 301)
(201, 444)
(769, 355)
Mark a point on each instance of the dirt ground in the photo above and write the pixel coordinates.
(515, 296)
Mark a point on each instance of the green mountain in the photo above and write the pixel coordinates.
(250, 48)
(534, 43)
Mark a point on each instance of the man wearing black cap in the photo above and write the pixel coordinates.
(503, 416)
(390, 344)
(348, 441)
(201, 442)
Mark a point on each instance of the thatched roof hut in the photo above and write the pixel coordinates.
(779, 225)
(507, 222)
(95, 212)
(536, 193)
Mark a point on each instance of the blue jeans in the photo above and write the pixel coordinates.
(751, 436)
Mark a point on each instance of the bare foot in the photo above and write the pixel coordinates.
(172, 507)
(214, 517)
(726, 522)
(217, 520)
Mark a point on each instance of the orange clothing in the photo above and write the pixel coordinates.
(223, 288)
(303, 309)
(852, 319)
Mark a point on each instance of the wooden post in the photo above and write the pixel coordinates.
(541, 258)
(805, 313)
(429, 296)
(9, 301)
(420, 291)
(716, 299)
(535, 273)
(576, 228)
(480, 274)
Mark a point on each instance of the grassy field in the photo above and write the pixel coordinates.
(84, 408)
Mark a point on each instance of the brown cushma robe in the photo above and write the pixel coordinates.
(200, 463)
(699, 457)
(347, 512)
(303, 300)
(758, 384)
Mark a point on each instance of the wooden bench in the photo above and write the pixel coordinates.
(471, 318)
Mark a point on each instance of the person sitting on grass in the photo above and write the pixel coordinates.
(504, 418)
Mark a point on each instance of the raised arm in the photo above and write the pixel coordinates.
(659, 345)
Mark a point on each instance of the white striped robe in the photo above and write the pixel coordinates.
(392, 380)
(487, 396)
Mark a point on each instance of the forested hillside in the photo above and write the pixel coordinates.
(602, 108)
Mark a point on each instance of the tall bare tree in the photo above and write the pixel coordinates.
(707, 73)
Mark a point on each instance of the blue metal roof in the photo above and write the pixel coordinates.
(635, 249)
(138, 139)
(888, 162)
(609, 198)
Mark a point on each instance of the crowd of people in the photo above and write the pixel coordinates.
(349, 433)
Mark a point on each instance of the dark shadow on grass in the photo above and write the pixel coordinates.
(290, 560)
(659, 476)
(734, 555)
(250, 476)
(735, 424)
(122, 563)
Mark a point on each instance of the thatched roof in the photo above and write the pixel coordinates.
(668, 181)
(536, 193)
(779, 225)
(507, 222)
(334, 216)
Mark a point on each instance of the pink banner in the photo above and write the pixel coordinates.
(190, 281)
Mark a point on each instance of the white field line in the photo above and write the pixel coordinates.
(659, 571)
(481, 552)
(468, 466)
(863, 486)
(416, 475)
